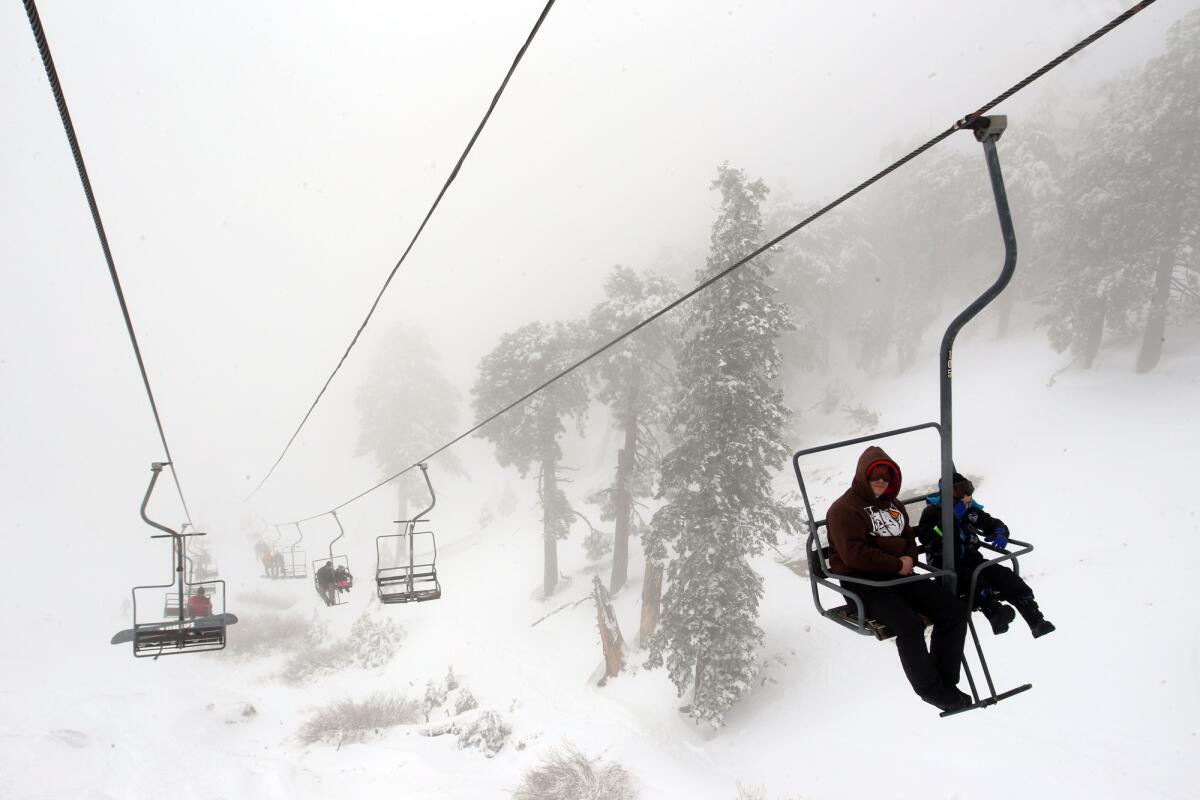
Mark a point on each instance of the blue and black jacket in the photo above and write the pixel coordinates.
(969, 525)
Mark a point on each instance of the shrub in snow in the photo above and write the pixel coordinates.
(310, 663)
(465, 702)
(567, 774)
(373, 642)
(258, 635)
(488, 732)
(350, 721)
(861, 418)
(435, 695)
(597, 544)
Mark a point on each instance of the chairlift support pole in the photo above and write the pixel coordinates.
(412, 524)
(987, 131)
(177, 538)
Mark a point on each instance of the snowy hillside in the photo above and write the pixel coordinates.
(1085, 469)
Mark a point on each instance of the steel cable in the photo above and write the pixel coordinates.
(35, 22)
(453, 174)
(957, 126)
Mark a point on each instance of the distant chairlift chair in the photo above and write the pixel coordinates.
(418, 580)
(195, 621)
(337, 561)
(295, 563)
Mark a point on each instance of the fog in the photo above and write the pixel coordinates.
(260, 168)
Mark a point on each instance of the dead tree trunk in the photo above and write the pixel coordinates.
(610, 631)
(623, 498)
(1156, 321)
(1094, 331)
(550, 522)
(651, 600)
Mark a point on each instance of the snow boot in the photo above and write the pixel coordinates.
(998, 614)
(1038, 624)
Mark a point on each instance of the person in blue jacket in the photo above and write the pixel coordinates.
(996, 583)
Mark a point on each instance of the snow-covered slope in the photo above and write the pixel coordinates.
(1094, 470)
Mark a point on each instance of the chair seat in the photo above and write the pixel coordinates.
(882, 632)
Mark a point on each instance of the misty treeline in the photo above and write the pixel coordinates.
(1107, 209)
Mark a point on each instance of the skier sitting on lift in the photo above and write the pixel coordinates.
(870, 537)
(996, 582)
(326, 584)
(199, 605)
(342, 578)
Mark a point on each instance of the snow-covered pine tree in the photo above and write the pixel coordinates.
(528, 434)
(1132, 231)
(820, 273)
(728, 416)
(406, 409)
(635, 380)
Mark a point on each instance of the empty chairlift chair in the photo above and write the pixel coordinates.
(417, 580)
(295, 562)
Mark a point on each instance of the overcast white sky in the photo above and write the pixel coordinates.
(261, 166)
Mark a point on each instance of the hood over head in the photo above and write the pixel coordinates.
(872, 457)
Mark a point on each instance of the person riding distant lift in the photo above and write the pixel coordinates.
(199, 605)
(326, 584)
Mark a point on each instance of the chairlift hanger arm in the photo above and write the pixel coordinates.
(987, 131)
(155, 469)
(340, 535)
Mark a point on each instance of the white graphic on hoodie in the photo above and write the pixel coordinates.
(885, 522)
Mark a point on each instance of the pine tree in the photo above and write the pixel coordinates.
(1131, 233)
(407, 408)
(728, 415)
(635, 377)
(529, 433)
(820, 272)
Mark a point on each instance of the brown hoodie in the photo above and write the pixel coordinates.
(868, 534)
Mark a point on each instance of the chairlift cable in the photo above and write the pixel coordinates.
(35, 22)
(453, 174)
(965, 122)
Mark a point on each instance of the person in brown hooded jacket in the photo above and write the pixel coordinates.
(870, 537)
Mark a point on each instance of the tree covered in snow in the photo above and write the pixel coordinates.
(727, 417)
(635, 380)
(528, 434)
(407, 408)
(1131, 231)
(817, 270)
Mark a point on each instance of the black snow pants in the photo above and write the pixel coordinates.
(900, 607)
(1006, 584)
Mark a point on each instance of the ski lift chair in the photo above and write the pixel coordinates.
(417, 581)
(336, 561)
(178, 629)
(295, 563)
(852, 614)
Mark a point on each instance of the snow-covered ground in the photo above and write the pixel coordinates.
(1095, 470)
